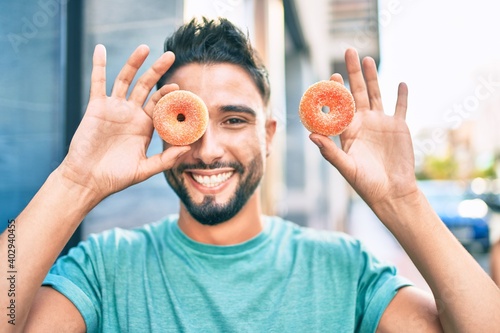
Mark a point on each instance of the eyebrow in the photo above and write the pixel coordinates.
(238, 108)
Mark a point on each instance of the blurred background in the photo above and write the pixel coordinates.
(447, 52)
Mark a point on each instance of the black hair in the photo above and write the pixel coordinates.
(215, 41)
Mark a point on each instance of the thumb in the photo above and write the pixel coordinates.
(162, 161)
(333, 154)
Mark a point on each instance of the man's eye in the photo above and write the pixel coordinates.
(234, 121)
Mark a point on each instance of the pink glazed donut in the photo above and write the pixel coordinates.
(333, 95)
(180, 117)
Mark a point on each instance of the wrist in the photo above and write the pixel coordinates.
(391, 204)
(401, 211)
(77, 186)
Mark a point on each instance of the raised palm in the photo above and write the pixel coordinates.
(376, 156)
(108, 151)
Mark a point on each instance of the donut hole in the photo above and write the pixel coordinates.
(181, 117)
(325, 109)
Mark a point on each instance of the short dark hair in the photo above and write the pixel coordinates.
(215, 41)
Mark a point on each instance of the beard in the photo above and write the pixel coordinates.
(209, 212)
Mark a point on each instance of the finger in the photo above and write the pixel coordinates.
(148, 80)
(337, 78)
(402, 101)
(162, 161)
(98, 76)
(168, 88)
(356, 80)
(157, 96)
(333, 154)
(129, 70)
(371, 77)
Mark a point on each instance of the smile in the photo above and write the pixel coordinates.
(212, 180)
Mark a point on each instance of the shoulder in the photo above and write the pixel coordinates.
(120, 239)
(307, 234)
(102, 253)
(326, 241)
(336, 256)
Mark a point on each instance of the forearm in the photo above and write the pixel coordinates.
(465, 295)
(38, 235)
(495, 262)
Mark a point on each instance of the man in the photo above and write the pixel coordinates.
(220, 265)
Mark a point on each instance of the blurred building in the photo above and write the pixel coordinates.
(33, 95)
(316, 39)
(469, 144)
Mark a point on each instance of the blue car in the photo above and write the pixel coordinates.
(464, 214)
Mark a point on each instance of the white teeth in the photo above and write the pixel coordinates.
(213, 180)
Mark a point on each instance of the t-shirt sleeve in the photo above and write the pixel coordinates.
(76, 277)
(377, 285)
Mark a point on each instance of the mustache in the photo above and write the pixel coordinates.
(238, 167)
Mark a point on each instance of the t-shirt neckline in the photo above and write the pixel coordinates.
(247, 245)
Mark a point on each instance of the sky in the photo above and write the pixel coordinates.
(445, 51)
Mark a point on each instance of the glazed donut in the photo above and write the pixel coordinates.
(180, 117)
(333, 95)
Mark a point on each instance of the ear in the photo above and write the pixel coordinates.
(270, 130)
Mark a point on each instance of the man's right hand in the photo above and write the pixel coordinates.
(108, 150)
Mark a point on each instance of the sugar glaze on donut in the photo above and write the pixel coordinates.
(337, 98)
(180, 117)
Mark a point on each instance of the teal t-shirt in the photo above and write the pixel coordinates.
(286, 279)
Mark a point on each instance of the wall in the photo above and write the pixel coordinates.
(31, 100)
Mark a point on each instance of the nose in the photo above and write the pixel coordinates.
(208, 148)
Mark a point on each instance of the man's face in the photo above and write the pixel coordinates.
(221, 172)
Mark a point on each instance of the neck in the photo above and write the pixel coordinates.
(242, 227)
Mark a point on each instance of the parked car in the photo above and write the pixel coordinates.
(465, 214)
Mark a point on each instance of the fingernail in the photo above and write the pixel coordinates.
(184, 151)
(317, 143)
